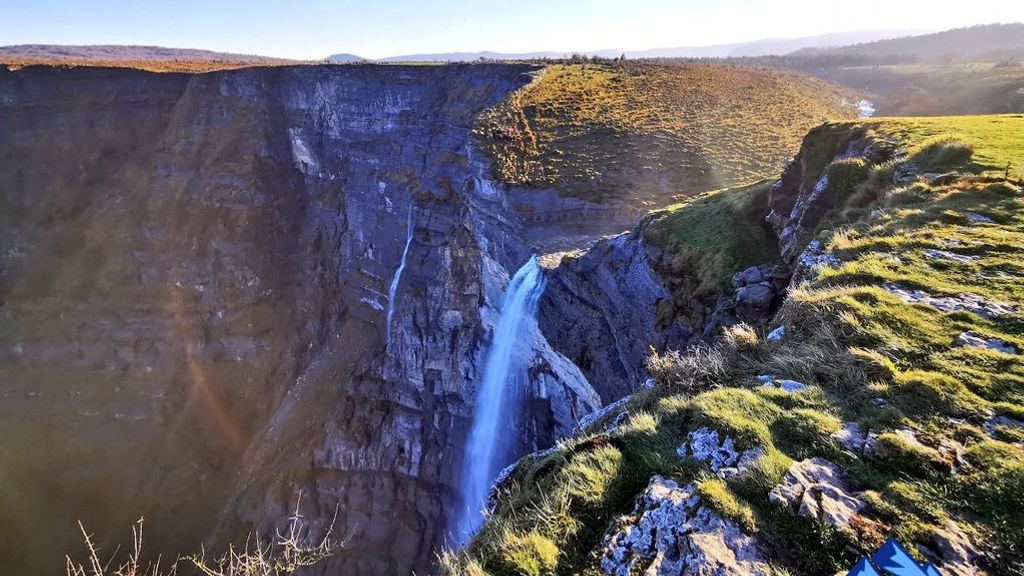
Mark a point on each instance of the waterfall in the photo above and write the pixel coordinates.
(393, 290)
(489, 440)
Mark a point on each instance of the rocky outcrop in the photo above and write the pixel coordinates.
(719, 452)
(670, 532)
(193, 276)
(964, 301)
(804, 194)
(599, 310)
(814, 489)
(759, 292)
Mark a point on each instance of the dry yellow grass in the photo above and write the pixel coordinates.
(637, 130)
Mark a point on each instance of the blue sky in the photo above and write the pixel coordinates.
(377, 28)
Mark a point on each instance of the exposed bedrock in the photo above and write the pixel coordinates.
(194, 273)
(600, 311)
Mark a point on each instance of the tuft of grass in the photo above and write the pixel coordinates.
(804, 432)
(995, 490)
(941, 152)
(715, 494)
(525, 555)
(902, 455)
(739, 413)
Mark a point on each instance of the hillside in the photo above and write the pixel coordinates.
(152, 58)
(885, 397)
(977, 70)
(990, 42)
(638, 131)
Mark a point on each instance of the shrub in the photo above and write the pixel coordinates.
(290, 553)
(699, 369)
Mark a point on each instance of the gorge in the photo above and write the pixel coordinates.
(192, 283)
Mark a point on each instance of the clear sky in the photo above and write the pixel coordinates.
(378, 28)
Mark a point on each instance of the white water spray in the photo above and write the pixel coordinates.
(393, 290)
(488, 443)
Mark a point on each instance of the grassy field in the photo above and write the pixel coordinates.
(866, 354)
(637, 131)
(997, 140)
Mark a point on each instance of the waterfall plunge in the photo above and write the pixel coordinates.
(393, 290)
(488, 439)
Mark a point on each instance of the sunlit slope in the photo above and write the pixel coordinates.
(639, 130)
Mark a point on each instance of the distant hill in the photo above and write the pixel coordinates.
(155, 58)
(345, 58)
(986, 42)
(770, 46)
(762, 47)
(471, 56)
(127, 53)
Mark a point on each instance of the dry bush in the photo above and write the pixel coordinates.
(290, 552)
(691, 372)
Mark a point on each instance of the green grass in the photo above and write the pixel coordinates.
(716, 234)
(996, 139)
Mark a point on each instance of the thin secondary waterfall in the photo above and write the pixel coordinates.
(393, 290)
(488, 443)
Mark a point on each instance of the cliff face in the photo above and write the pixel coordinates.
(194, 275)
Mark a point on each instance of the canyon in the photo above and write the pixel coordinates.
(225, 297)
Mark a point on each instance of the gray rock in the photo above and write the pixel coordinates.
(754, 303)
(752, 275)
(972, 339)
(718, 451)
(503, 477)
(783, 384)
(949, 256)
(589, 420)
(905, 173)
(670, 533)
(851, 437)
(997, 420)
(777, 334)
(617, 421)
(814, 489)
(968, 302)
(975, 218)
(797, 202)
(600, 311)
(953, 551)
(812, 259)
